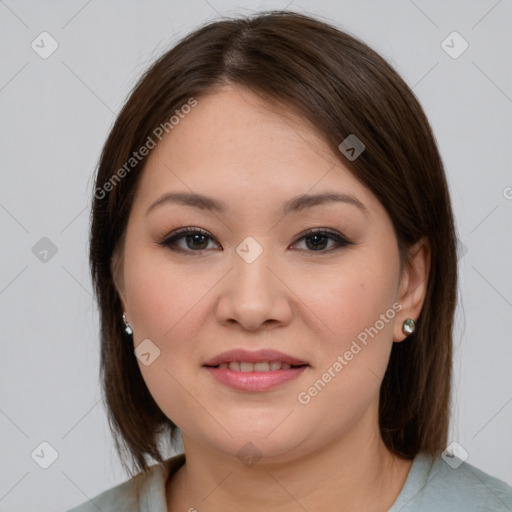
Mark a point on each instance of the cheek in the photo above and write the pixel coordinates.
(345, 300)
(161, 296)
(355, 307)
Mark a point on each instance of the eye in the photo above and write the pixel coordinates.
(318, 239)
(194, 239)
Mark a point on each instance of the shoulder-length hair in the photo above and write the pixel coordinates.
(342, 87)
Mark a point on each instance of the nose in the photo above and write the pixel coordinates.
(254, 294)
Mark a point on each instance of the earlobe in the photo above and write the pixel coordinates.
(413, 288)
(121, 299)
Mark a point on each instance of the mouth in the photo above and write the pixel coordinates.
(262, 370)
(265, 359)
(261, 366)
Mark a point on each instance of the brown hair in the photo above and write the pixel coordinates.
(342, 87)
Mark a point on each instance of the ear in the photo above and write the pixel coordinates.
(413, 285)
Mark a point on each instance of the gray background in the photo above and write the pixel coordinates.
(55, 115)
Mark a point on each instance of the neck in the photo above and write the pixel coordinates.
(355, 472)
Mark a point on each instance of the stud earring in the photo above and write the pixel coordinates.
(409, 326)
(127, 327)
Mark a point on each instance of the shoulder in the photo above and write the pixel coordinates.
(123, 497)
(433, 484)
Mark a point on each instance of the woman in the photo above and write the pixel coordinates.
(273, 253)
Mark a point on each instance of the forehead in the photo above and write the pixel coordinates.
(233, 143)
(235, 122)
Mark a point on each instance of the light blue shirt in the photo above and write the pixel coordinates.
(431, 486)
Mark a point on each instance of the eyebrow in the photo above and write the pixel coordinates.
(293, 205)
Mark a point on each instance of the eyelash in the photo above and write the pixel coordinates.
(169, 241)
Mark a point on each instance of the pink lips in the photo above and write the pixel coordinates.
(254, 380)
(253, 357)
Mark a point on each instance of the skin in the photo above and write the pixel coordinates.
(327, 454)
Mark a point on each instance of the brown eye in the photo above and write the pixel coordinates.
(194, 240)
(318, 240)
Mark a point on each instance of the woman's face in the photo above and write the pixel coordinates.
(251, 280)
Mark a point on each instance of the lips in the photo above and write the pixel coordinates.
(254, 360)
(255, 371)
(263, 366)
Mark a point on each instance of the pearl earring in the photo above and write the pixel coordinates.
(127, 327)
(409, 326)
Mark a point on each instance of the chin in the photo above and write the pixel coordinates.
(262, 447)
